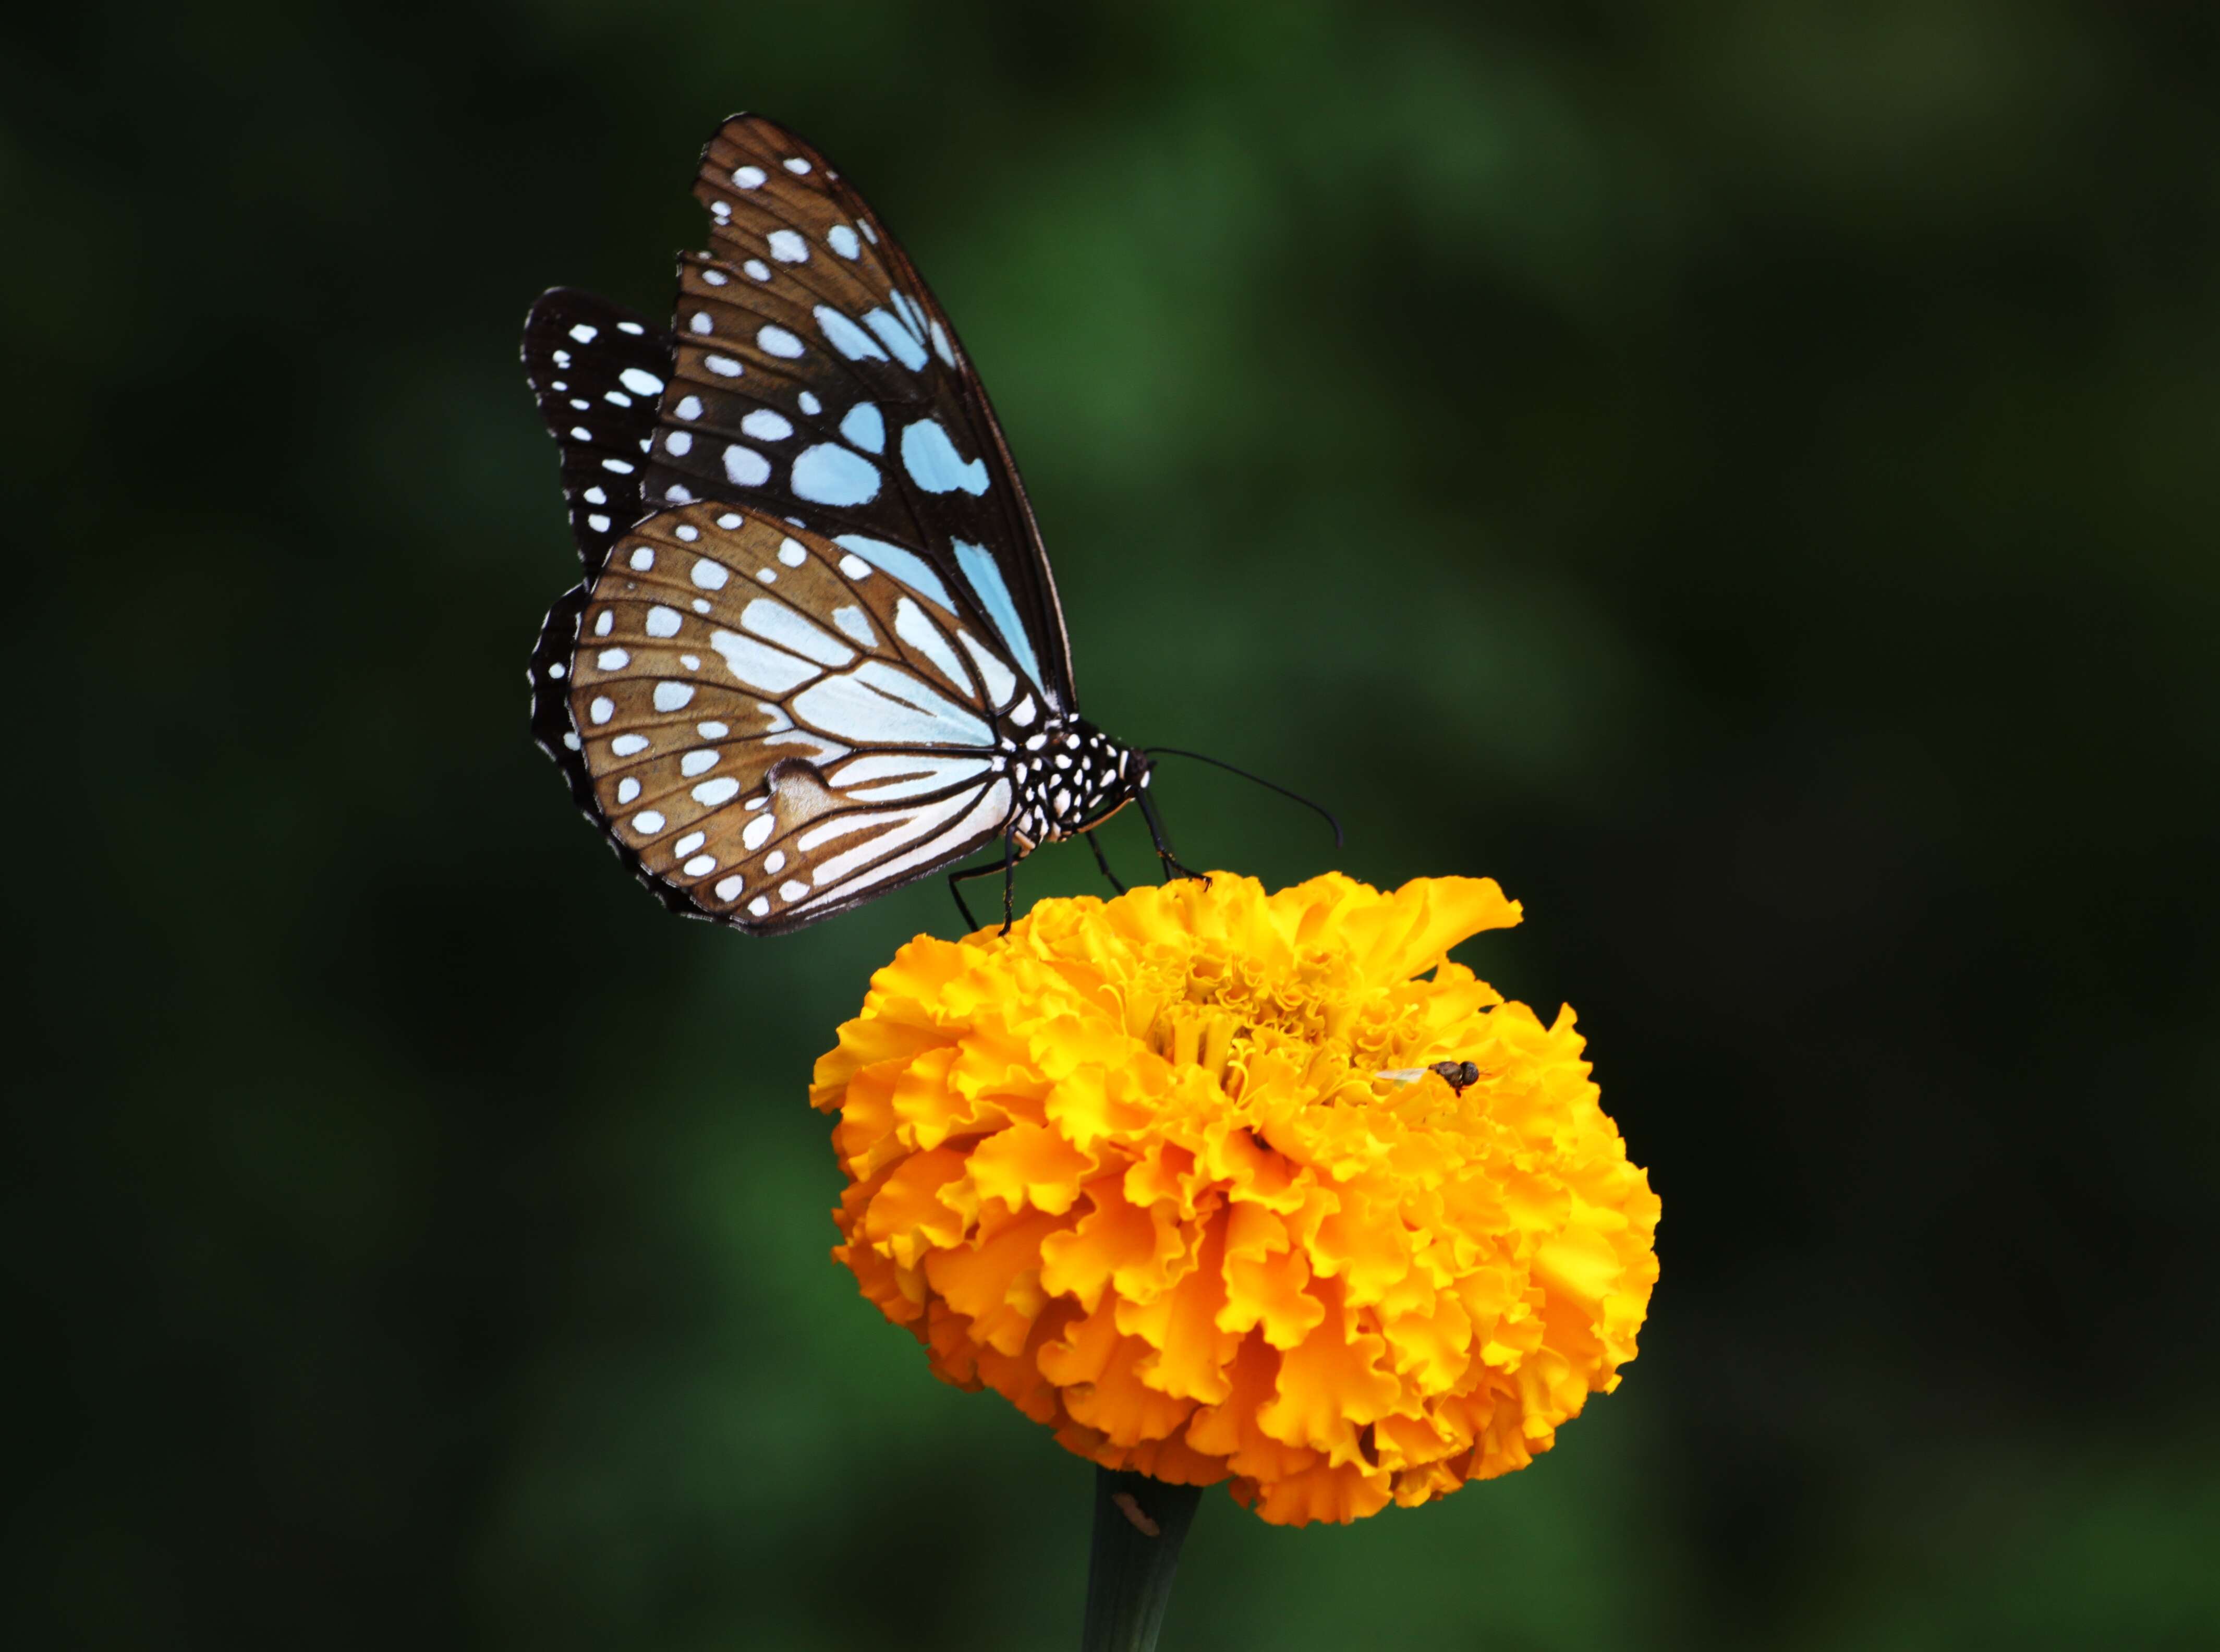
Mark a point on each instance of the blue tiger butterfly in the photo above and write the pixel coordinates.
(817, 654)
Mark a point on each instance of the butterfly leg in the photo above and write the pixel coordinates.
(1103, 861)
(1009, 879)
(971, 923)
(1173, 866)
(1007, 869)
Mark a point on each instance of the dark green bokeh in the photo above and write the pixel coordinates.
(1744, 476)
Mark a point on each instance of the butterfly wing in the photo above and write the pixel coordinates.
(815, 378)
(598, 372)
(771, 728)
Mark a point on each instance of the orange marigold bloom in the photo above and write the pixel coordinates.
(1155, 1170)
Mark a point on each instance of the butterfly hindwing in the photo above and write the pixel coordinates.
(598, 372)
(771, 728)
(814, 377)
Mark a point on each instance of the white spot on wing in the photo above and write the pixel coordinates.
(769, 670)
(845, 336)
(897, 338)
(640, 381)
(933, 463)
(865, 428)
(766, 426)
(745, 467)
(829, 474)
(1001, 682)
(711, 576)
(786, 246)
(912, 625)
(842, 239)
(905, 565)
(673, 696)
(984, 576)
(661, 621)
(715, 793)
(880, 704)
(777, 341)
(886, 777)
(775, 622)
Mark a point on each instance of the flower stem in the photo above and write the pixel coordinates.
(1139, 1525)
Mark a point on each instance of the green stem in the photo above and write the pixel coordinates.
(1129, 1573)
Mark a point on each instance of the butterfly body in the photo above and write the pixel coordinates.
(817, 653)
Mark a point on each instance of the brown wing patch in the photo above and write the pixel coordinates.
(773, 726)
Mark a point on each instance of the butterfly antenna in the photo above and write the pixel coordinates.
(1269, 786)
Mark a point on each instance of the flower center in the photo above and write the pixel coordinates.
(1223, 1012)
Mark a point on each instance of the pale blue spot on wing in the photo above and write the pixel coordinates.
(845, 336)
(829, 474)
(896, 338)
(905, 565)
(879, 704)
(934, 464)
(865, 428)
(985, 579)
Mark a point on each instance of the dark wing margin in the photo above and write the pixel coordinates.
(597, 372)
(553, 659)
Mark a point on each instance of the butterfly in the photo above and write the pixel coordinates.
(817, 654)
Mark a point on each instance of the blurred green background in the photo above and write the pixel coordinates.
(1742, 475)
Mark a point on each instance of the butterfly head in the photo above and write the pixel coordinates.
(1072, 777)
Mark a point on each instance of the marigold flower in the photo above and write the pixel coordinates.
(1135, 1167)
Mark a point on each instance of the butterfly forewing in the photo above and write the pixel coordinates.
(815, 378)
(598, 372)
(770, 727)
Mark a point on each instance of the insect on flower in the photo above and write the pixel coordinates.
(1459, 1075)
(817, 654)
